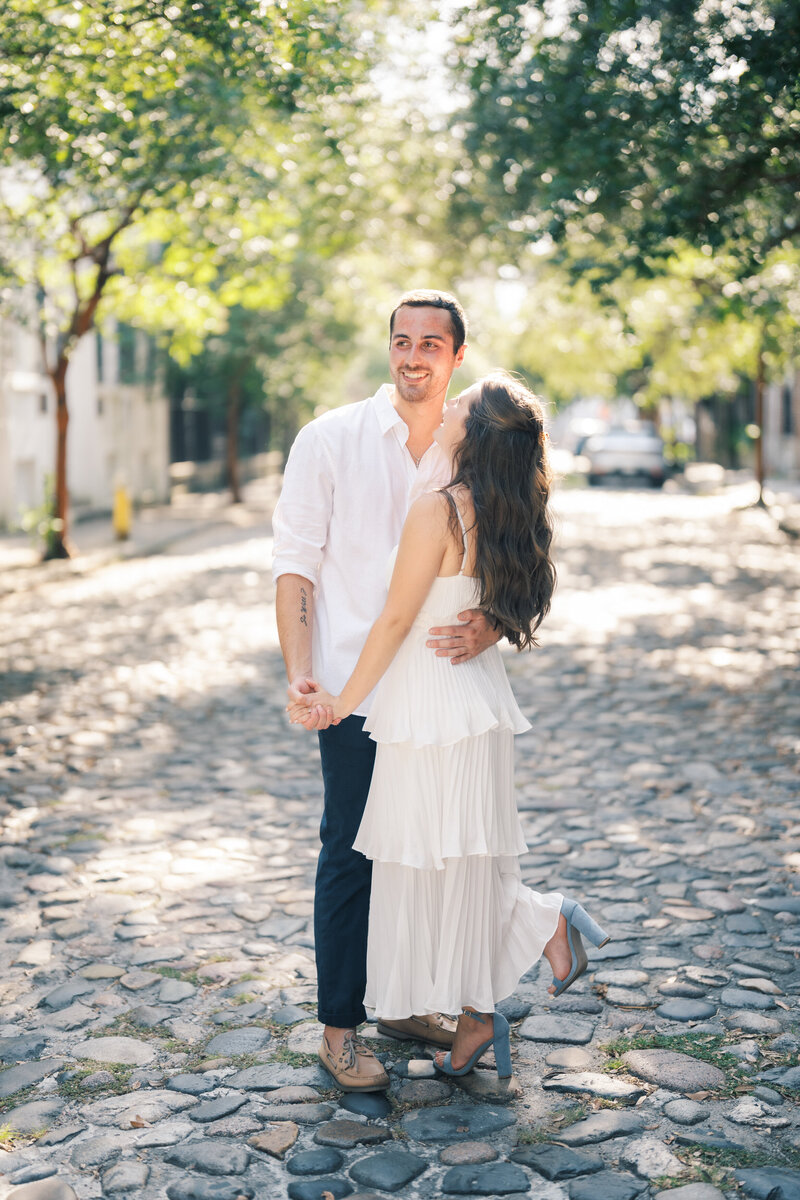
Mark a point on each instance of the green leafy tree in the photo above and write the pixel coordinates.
(123, 126)
(677, 120)
(644, 136)
(282, 362)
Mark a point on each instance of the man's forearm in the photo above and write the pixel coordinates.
(294, 609)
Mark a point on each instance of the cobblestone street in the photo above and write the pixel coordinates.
(156, 880)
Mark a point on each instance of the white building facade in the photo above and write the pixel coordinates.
(118, 427)
(782, 427)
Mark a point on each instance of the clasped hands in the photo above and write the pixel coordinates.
(311, 706)
(315, 709)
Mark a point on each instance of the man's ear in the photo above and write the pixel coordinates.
(460, 355)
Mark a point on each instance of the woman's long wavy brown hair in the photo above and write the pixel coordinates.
(502, 459)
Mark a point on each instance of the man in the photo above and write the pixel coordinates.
(350, 479)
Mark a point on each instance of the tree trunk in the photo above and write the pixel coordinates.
(232, 439)
(56, 540)
(758, 446)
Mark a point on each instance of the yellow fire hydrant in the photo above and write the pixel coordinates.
(121, 513)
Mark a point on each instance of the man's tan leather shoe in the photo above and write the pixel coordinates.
(435, 1029)
(355, 1068)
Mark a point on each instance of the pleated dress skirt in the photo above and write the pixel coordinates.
(451, 923)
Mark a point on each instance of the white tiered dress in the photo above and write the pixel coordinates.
(450, 921)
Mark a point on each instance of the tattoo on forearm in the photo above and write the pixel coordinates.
(303, 607)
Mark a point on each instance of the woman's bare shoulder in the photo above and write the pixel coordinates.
(432, 507)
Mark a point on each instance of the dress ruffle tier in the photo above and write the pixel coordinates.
(423, 700)
(466, 934)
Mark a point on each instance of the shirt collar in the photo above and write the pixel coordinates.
(387, 414)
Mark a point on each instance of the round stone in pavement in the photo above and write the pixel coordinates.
(66, 993)
(23, 1075)
(388, 1170)
(212, 1110)
(769, 1183)
(315, 1162)
(190, 1188)
(682, 989)
(345, 1135)
(308, 1189)
(367, 1104)
(600, 1126)
(44, 1189)
(23, 1047)
(239, 1041)
(573, 1058)
(556, 1162)
(290, 1014)
(267, 1077)
(127, 1050)
(514, 1009)
(450, 1124)
(417, 1092)
(622, 977)
(752, 1022)
(672, 1070)
(210, 1157)
(692, 1191)
(191, 1085)
(611, 1185)
(649, 1158)
(491, 1179)
(734, 997)
(607, 1087)
(464, 1153)
(37, 1114)
(546, 1028)
(125, 1177)
(685, 1112)
(172, 991)
(31, 1174)
(686, 1010)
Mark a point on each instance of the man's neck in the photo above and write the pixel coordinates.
(422, 419)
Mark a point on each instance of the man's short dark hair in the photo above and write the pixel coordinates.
(424, 298)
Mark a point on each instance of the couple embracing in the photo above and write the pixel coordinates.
(419, 907)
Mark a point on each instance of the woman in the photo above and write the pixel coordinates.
(451, 925)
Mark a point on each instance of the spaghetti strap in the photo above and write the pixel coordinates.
(451, 500)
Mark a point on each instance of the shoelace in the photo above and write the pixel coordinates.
(348, 1054)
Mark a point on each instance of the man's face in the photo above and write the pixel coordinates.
(421, 355)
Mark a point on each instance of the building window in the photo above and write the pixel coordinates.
(151, 359)
(787, 416)
(98, 347)
(99, 405)
(126, 338)
(43, 402)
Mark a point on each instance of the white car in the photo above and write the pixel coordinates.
(628, 452)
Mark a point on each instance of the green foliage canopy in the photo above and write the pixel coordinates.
(115, 114)
(679, 119)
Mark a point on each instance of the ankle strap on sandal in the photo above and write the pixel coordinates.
(475, 1016)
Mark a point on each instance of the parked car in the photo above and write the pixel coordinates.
(631, 452)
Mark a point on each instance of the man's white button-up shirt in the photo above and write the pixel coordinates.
(347, 488)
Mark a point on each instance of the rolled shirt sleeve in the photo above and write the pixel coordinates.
(302, 515)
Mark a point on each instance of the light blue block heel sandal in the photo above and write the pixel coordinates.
(501, 1038)
(578, 922)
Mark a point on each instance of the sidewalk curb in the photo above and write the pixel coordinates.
(94, 560)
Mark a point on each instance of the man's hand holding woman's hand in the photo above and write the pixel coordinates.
(311, 706)
(305, 707)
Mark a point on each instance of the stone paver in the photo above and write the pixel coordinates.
(157, 854)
